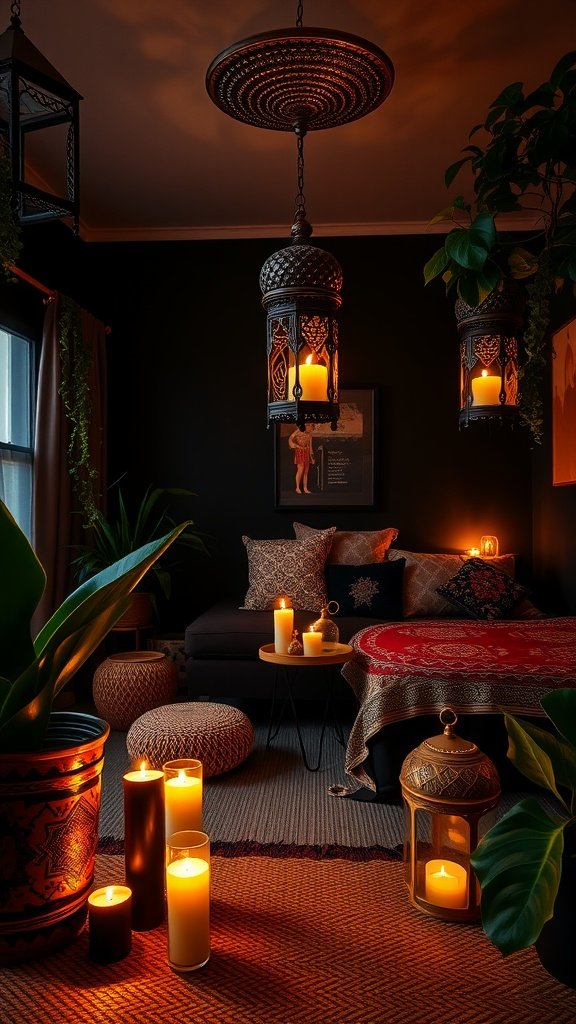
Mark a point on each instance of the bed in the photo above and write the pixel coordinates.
(403, 670)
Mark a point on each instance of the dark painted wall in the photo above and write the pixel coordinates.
(187, 377)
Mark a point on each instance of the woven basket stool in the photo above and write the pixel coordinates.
(128, 684)
(216, 734)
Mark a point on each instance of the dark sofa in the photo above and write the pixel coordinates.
(221, 648)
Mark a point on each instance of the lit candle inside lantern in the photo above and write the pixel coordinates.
(283, 627)
(446, 884)
(313, 381)
(188, 900)
(473, 552)
(486, 389)
(182, 795)
(312, 643)
(489, 546)
(144, 845)
(110, 923)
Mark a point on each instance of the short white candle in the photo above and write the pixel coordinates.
(446, 884)
(312, 643)
(283, 627)
(188, 902)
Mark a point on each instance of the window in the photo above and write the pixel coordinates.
(17, 404)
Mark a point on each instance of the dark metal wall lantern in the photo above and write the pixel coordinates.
(489, 357)
(301, 80)
(34, 98)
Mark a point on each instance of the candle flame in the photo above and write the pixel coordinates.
(182, 774)
(308, 360)
(143, 766)
(109, 893)
(282, 603)
(484, 373)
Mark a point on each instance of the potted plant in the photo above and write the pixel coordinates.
(526, 164)
(111, 538)
(51, 762)
(526, 863)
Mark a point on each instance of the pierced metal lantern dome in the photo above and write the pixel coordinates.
(301, 288)
(489, 356)
(450, 789)
(300, 80)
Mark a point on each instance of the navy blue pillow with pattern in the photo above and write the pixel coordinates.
(482, 591)
(372, 590)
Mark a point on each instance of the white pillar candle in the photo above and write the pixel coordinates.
(283, 627)
(486, 389)
(446, 884)
(188, 900)
(182, 795)
(312, 643)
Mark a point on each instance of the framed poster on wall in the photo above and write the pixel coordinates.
(564, 404)
(324, 468)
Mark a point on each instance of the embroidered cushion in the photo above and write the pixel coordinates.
(373, 590)
(482, 590)
(353, 547)
(290, 568)
(424, 573)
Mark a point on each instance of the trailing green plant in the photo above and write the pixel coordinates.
(75, 360)
(33, 672)
(518, 862)
(10, 231)
(527, 164)
(109, 539)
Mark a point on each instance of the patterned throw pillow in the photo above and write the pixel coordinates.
(483, 591)
(291, 568)
(352, 547)
(425, 573)
(371, 590)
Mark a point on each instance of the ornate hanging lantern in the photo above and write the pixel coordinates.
(489, 356)
(35, 98)
(449, 788)
(301, 80)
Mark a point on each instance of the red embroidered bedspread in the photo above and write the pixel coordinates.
(402, 670)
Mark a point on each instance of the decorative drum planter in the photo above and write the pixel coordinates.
(49, 811)
(126, 685)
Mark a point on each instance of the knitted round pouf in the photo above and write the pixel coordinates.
(216, 734)
(126, 685)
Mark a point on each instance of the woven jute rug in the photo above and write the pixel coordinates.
(296, 940)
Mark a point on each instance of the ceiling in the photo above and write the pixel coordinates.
(160, 161)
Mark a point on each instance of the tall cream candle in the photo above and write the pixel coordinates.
(283, 627)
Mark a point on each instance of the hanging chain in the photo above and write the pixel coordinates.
(299, 15)
(300, 198)
(15, 12)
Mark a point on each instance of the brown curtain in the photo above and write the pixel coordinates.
(58, 518)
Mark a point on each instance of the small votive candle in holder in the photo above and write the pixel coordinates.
(182, 795)
(446, 884)
(188, 899)
(312, 643)
(110, 923)
(283, 627)
(144, 845)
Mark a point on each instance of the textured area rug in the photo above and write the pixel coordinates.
(296, 941)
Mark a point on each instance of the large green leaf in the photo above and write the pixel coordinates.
(560, 706)
(522, 263)
(436, 264)
(466, 247)
(518, 863)
(483, 225)
(23, 580)
(474, 287)
(564, 64)
(528, 757)
(562, 755)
